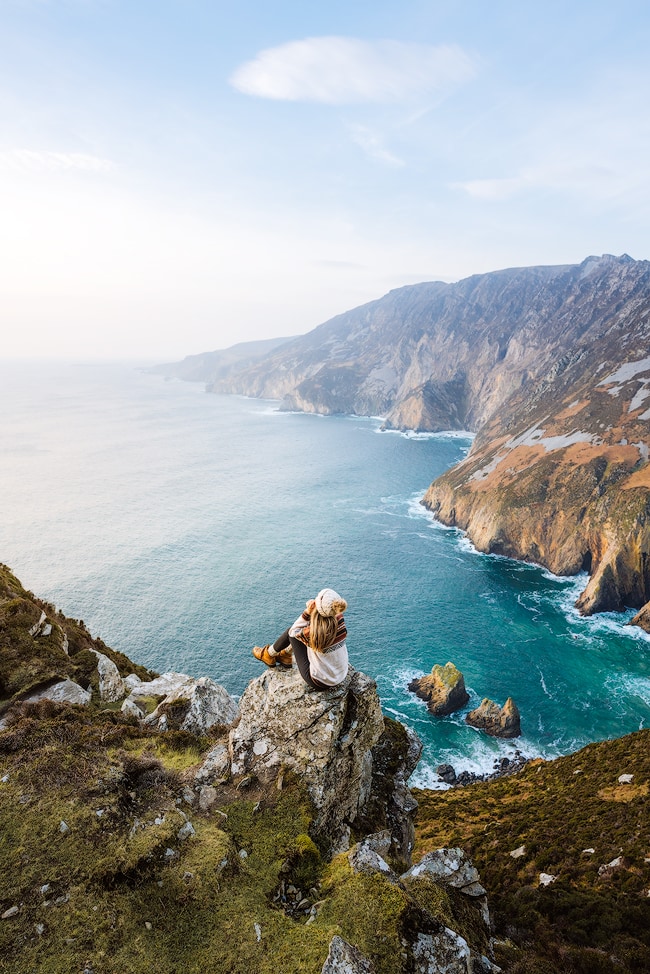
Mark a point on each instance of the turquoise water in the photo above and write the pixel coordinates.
(184, 528)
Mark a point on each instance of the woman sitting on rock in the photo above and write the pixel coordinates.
(316, 641)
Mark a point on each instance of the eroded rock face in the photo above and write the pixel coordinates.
(429, 946)
(343, 958)
(443, 689)
(63, 691)
(390, 806)
(642, 618)
(325, 737)
(188, 704)
(111, 685)
(495, 720)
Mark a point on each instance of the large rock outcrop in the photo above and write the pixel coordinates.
(328, 738)
(443, 882)
(443, 689)
(189, 704)
(495, 720)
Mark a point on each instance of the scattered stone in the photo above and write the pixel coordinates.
(40, 929)
(610, 867)
(131, 708)
(343, 958)
(63, 691)
(46, 630)
(200, 703)
(188, 795)
(545, 879)
(379, 842)
(443, 689)
(11, 912)
(185, 831)
(35, 630)
(148, 925)
(588, 852)
(64, 828)
(625, 779)
(258, 932)
(45, 889)
(518, 853)
(4, 779)
(207, 797)
(446, 773)
(496, 721)
(243, 854)
(215, 767)
(452, 867)
(364, 860)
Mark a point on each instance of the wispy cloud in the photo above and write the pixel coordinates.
(46, 161)
(346, 70)
(372, 144)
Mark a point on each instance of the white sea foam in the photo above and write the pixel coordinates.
(442, 435)
(625, 685)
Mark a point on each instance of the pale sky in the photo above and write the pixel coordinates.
(179, 175)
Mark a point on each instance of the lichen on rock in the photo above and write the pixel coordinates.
(325, 737)
(443, 689)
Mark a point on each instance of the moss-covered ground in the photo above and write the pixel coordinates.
(94, 875)
(572, 817)
(117, 888)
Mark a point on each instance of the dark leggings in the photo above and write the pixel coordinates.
(301, 658)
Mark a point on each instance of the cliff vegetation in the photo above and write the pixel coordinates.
(124, 848)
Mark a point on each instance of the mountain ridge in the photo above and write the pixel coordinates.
(548, 366)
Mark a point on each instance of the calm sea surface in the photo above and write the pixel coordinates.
(184, 528)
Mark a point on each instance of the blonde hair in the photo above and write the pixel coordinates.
(322, 631)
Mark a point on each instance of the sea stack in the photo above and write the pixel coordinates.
(495, 720)
(443, 689)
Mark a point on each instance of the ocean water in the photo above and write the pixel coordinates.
(184, 528)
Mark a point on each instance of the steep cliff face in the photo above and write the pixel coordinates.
(550, 365)
(560, 474)
(440, 356)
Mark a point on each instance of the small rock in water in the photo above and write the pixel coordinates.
(446, 773)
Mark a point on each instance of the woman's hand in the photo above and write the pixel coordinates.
(311, 605)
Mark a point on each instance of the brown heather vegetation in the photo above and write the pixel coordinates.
(587, 921)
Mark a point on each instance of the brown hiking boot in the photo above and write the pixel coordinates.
(285, 658)
(262, 653)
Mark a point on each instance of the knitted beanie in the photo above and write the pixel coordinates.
(329, 603)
